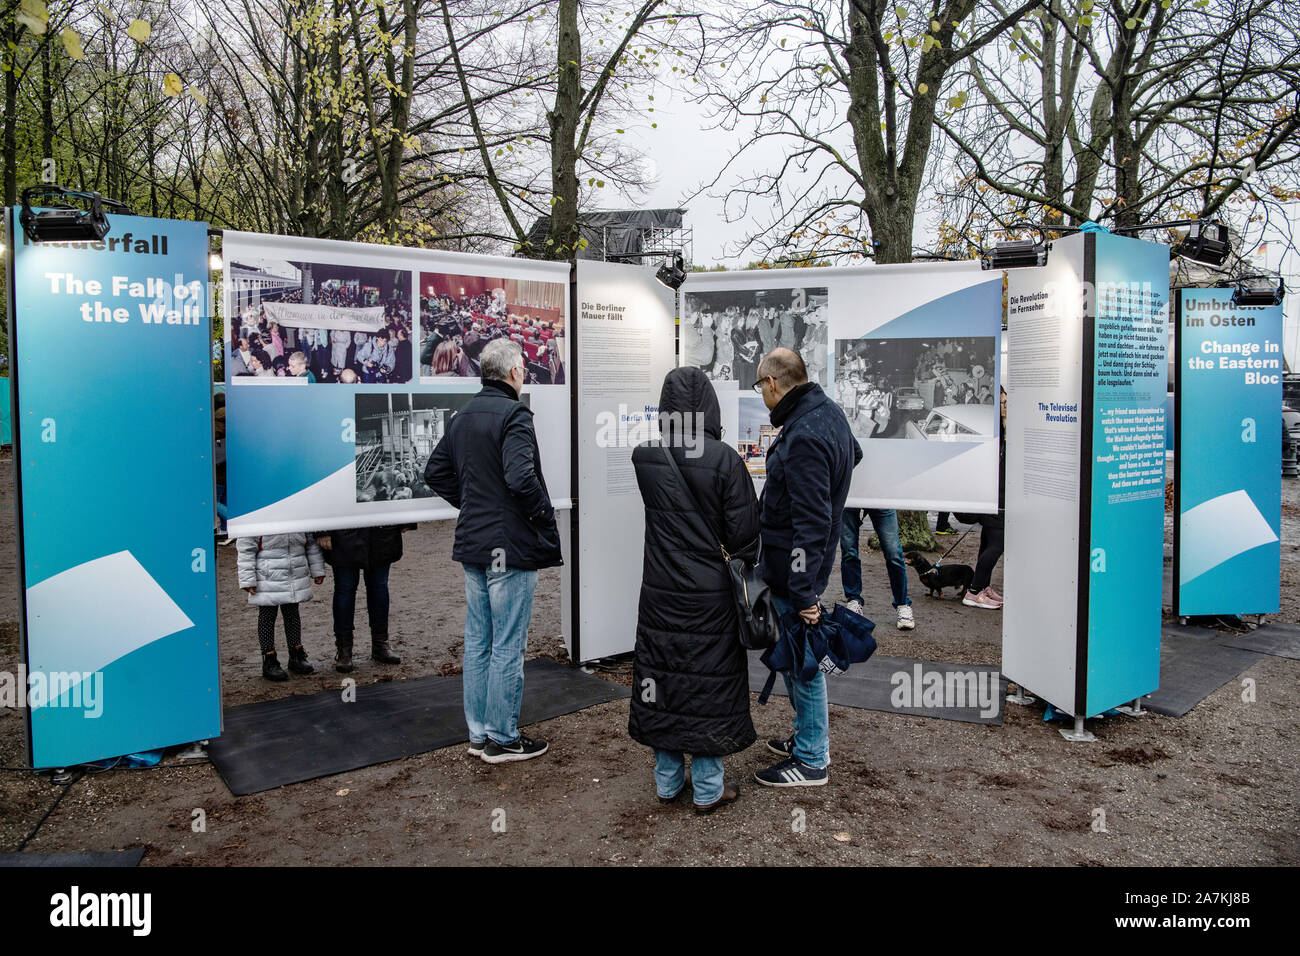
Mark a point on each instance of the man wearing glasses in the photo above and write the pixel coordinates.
(488, 465)
(809, 466)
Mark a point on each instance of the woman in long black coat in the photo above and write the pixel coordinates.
(690, 690)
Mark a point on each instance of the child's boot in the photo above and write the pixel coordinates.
(379, 649)
(298, 661)
(271, 669)
(343, 656)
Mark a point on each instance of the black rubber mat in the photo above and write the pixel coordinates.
(277, 742)
(895, 686)
(1193, 665)
(98, 858)
(1272, 638)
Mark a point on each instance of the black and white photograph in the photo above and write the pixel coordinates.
(727, 333)
(396, 434)
(460, 314)
(932, 389)
(320, 322)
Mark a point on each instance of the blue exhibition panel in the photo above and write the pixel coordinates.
(1126, 511)
(1227, 546)
(113, 429)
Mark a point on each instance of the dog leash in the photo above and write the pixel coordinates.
(955, 543)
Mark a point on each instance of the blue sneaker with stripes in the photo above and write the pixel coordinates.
(792, 773)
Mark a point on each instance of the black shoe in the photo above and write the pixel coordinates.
(298, 661)
(343, 654)
(730, 793)
(524, 748)
(271, 668)
(381, 652)
(784, 748)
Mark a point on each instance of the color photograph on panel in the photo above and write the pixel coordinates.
(461, 314)
(318, 321)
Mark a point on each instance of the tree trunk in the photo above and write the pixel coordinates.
(563, 121)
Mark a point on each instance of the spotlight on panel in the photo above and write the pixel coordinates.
(1259, 290)
(61, 222)
(673, 273)
(1205, 242)
(1016, 254)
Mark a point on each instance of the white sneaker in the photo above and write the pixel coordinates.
(905, 619)
(855, 607)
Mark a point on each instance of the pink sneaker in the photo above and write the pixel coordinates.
(994, 594)
(981, 599)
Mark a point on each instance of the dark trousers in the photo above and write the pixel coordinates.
(266, 626)
(991, 534)
(346, 582)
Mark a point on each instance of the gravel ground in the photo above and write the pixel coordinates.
(1218, 786)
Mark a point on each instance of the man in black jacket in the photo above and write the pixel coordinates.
(809, 466)
(488, 465)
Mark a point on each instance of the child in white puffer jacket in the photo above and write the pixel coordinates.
(277, 571)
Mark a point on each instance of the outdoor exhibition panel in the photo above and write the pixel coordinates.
(373, 350)
(1228, 489)
(911, 353)
(1084, 559)
(112, 399)
(625, 323)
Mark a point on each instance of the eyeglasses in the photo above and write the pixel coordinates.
(758, 386)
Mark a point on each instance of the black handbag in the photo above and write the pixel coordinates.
(760, 625)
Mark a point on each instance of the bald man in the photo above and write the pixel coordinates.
(809, 466)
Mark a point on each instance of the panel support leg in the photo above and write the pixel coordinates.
(1134, 709)
(1020, 697)
(1080, 734)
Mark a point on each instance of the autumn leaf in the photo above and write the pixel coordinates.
(33, 15)
(172, 85)
(72, 43)
(197, 96)
(139, 31)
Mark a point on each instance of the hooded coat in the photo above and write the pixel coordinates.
(280, 566)
(690, 674)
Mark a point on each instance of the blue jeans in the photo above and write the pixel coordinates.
(885, 521)
(706, 776)
(812, 721)
(346, 582)
(498, 607)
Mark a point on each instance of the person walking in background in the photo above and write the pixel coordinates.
(277, 571)
(885, 521)
(356, 554)
(690, 672)
(488, 465)
(992, 533)
(809, 466)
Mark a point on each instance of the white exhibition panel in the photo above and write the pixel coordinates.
(626, 344)
(872, 337)
(1041, 561)
(294, 454)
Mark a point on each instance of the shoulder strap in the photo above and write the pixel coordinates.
(672, 463)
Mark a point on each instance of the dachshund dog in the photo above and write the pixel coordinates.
(938, 577)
